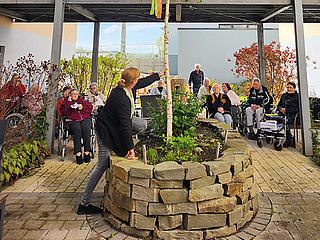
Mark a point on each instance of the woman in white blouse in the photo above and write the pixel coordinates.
(235, 103)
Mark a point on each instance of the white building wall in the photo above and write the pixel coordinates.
(19, 43)
(211, 47)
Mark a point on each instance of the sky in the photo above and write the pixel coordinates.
(110, 34)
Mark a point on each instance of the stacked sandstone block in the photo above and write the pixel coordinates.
(189, 201)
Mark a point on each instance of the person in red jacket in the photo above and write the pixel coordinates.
(78, 110)
(65, 94)
(14, 88)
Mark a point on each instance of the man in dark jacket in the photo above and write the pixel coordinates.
(289, 106)
(259, 99)
(196, 79)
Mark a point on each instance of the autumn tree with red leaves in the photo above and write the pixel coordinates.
(280, 65)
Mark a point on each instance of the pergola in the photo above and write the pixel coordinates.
(233, 11)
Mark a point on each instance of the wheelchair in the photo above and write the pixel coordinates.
(64, 133)
(242, 120)
(17, 121)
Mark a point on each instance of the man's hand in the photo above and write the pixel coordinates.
(220, 109)
(283, 110)
(130, 154)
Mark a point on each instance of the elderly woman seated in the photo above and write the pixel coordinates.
(33, 100)
(289, 106)
(96, 98)
(159, 90)
(219, 105)
(78, 110)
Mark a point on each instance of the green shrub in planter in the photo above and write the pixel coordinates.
(185, 114)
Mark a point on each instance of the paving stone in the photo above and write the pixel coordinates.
(69, 225)
(51, 225)
(33, 224)
(178, 234)
(257, 226)
(116, 223)
(252, 231)
(35, 234)
(56, 234)
(245, 236)
(14, 224)
(16, 234)
(77, 235)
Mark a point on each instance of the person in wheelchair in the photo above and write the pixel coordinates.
(160, 89)
(96, 98)
(33, 101)
(259, 100)
(235, 103)
(219, 105)
(78, 113)
(289, 106)
(14, 88)
(204, 90)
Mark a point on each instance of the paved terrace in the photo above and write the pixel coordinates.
(43, 206)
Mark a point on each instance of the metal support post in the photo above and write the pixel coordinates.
(302, 79)
(95, 52)
(262, 63)
(123, 37)
(55, 60)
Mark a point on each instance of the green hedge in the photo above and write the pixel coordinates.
(20, 159)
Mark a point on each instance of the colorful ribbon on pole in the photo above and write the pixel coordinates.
(156, 8)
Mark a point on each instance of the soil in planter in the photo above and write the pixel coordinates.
(207, 138)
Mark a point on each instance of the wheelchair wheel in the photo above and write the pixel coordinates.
(16, 121)
(60, 138)
(268, 140)
(93, 145)
(259, 142)
(278, 145)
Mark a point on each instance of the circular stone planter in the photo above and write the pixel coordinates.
(189, 201)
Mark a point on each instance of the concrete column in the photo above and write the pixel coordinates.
(302, 79)
(123, 37)
(262, 64)
(55, 60)
(95, 52)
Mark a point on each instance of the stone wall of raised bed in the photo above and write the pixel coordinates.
(189, 201)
